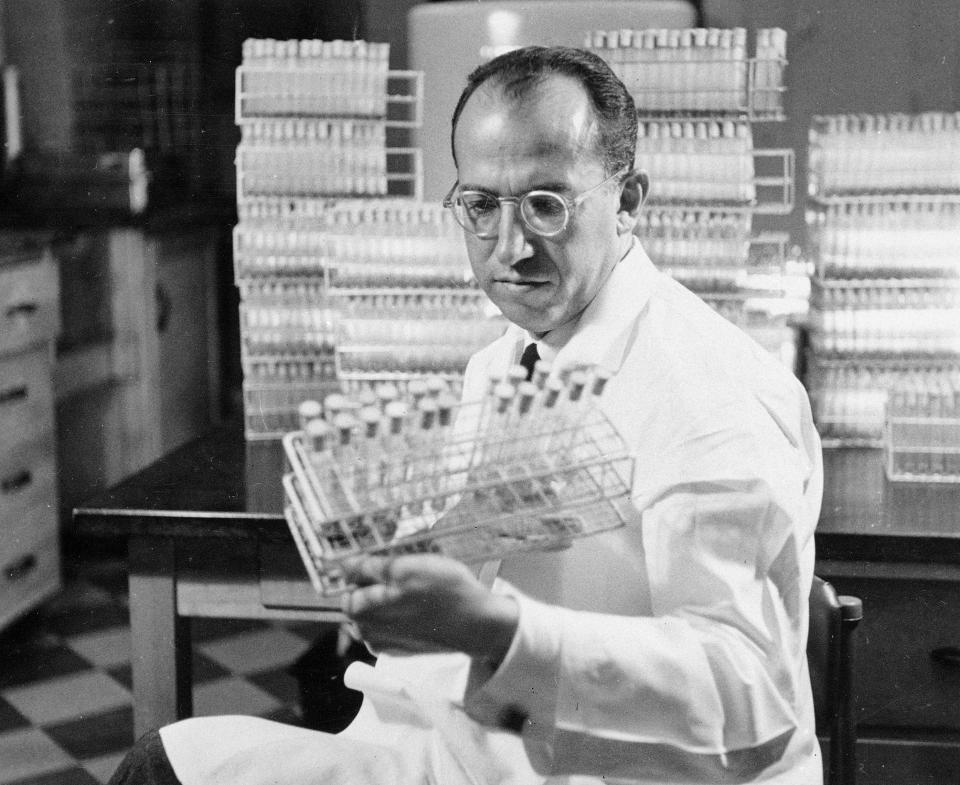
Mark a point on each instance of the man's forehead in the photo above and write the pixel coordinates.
(553, 117)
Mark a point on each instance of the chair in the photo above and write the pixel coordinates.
(830, 653)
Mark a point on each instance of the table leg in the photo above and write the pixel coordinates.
(160, 638)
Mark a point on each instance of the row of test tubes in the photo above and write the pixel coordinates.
(375, 450)
(884, 152)
(849, 399)
(906, 236)
(923, 429)
(428, 252)
(694, 69)
(285, 329)
(697, 160)
(358, 447)
(887, 318)
(312, 78)
(354, 164)
(690, 238)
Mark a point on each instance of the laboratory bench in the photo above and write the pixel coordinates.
(207, 537)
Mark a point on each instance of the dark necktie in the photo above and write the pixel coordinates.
(529, 359)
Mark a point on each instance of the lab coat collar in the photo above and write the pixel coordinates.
(604, 331)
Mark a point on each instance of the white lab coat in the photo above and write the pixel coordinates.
(666, 651)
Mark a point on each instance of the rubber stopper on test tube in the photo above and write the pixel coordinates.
(318, 431)
(370, 417)
(516, 374)
(333, 405)
(435, 386)
(428, 413)
(308, 410)
(552, 393)
(578, 382)
(387, 393)
(540, 373)
(366, 397)
(416, 389)
(600, 378)
(504, 394)
(344, 423)
(395, 411)
(527, 391)
(445, 404)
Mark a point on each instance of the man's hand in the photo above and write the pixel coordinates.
(426, 603)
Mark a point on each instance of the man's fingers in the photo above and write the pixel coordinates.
(367, 599)
(366, 570)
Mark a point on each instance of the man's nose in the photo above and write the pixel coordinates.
(512, 243)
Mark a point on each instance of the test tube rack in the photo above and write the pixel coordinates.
(883, 154)
(893, 236)
(346, 277)
(849, 395)
(698, 70)
(698, 94)
(883, 210)
(532, 465)
(922, 431)
(315, 117)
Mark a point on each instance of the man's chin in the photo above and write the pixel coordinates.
(532, 320)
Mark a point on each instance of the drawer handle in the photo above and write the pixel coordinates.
(12, 394)
(16, 482)
(22, 309)
(947, 655)
(21, 568)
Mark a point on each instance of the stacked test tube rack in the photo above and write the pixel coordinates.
(346, 276)
(532, 465)
(922, 429)
(698, 95)
(883, 215)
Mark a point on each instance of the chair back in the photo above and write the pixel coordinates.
(830, 652)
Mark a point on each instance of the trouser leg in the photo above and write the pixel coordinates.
(145, 764)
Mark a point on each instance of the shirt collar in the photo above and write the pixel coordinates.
(601, 334)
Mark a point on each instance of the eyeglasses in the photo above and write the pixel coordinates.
(543, 212)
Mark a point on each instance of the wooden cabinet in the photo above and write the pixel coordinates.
(138, 366)
(29, 523)
(908, 675)
(897, 547)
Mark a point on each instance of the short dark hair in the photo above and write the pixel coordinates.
(519, 71)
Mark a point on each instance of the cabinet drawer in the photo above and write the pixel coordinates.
(27, 478)
(29, 304)
(21, 532)
(898, 680)
(29, 574)
(26, 396)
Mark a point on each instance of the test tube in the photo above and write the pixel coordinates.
(308, 410)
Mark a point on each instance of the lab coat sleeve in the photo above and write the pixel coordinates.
(702, 690)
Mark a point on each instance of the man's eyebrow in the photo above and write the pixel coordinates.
(557, 187)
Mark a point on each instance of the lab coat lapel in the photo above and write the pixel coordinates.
(607, 326)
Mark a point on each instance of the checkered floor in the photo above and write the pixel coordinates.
(65, 689)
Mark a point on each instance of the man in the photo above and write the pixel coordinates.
(670, 650)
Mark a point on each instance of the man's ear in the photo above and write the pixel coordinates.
(632, 196)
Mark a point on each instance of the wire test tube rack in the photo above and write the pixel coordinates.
(531, 465)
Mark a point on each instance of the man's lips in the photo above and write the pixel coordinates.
(520, 282)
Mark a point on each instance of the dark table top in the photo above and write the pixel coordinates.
(224, 486)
